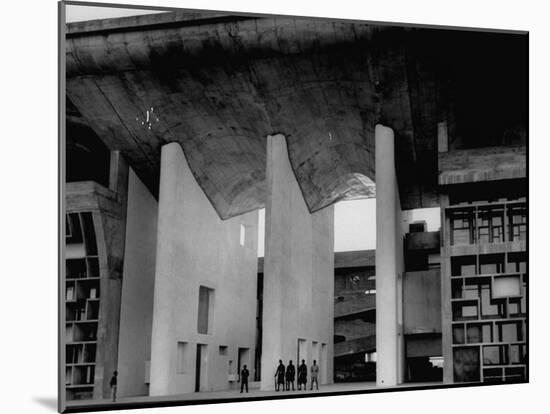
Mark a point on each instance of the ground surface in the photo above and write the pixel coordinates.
(235, 395)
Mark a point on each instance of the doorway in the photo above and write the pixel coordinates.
(302, 352)
(200, 368)
(242, 360)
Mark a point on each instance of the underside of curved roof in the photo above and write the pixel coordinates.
(220, 84)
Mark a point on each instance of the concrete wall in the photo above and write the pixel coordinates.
(482, 164)
(422, 302)
(354, 328)
(196, 248)
(138, 277)
(298, 272)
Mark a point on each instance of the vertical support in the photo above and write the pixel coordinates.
(111, 238)
(442, 137)
(196, 248)
(389, 261)
(161, 352)
(446, 310)
(298, 269)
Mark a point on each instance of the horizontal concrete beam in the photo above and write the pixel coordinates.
(145, 22)
(359, 258)
(360, 302)
(91, 196)
(359, 345)
(482, 164)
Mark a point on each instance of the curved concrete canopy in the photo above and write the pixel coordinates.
(220, 84)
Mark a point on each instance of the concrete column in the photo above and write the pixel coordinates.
(298, 271)
(161, 339)
(196, 248)
(389, 262)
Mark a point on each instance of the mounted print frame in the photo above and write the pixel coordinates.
(216, 171)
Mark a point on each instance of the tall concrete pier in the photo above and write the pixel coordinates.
(298, 269)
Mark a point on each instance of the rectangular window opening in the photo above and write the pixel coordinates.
(242, 235)
(206, 307)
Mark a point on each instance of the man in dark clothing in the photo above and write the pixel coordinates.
(113, 385)
(290, 373)
(244, 378)
(302, 375)
(280, 375)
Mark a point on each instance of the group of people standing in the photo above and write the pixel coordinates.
(285, 377)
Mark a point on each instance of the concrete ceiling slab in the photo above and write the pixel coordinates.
(220, 84)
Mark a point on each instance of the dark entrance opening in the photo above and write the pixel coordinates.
(199, 366)
(425, 369)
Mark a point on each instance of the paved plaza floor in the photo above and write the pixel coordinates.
(234, 395)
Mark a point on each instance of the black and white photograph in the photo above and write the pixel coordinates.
(261, 206)
(275, 208)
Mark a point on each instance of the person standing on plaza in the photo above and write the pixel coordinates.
(280, 375)
(302, 375)
(113, 385)
(290, 374)
(315, 375)
(244, 378)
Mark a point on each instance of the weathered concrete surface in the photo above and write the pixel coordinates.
(422, 301)
(196, 248)
(354, 346)
(389, 263)
(353, 303)
(136, 310)
(357, 258)
(354, 329)
(108, 208)
(221, 84)
(482, 164)
(424, 345)
(298, 272)
(425, 240)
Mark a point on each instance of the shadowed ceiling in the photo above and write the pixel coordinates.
(220, 84)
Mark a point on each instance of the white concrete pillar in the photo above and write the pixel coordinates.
(298, 271)
(389, 259)
(162, 335)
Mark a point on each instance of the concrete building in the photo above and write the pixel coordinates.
(354, 316)
(484, 265)
(181, 125)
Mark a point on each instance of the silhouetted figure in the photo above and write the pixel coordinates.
(290, 374)
(244, 378)
(113, 385)
(314, 375)
(302, 375)
(280, 375)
